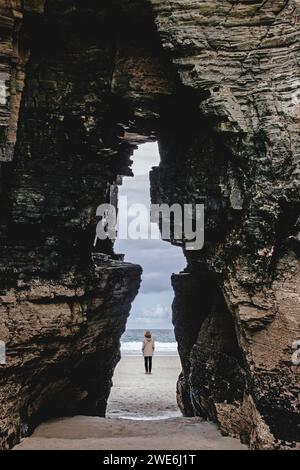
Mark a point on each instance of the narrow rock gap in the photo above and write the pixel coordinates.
(134, 395)
(93, 71)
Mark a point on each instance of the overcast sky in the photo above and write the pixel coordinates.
(159, 259)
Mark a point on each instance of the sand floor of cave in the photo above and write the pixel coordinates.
(142, 414)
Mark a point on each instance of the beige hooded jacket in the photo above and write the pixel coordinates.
(148, 347)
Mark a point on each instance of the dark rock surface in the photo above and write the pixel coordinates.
(216, 83)
(242, 161)
(62, 310)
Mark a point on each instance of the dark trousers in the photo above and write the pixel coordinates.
(148, 363)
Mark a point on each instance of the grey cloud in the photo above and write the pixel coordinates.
(159, 259)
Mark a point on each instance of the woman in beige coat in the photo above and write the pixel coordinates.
(148, 351)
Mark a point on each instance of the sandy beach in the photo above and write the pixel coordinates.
(137, 395)
(142, 414)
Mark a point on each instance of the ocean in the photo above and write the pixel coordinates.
(165, 342)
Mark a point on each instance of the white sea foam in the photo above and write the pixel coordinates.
(135, 348)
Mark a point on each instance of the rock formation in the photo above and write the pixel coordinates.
(215, 82)
(243, 162)
(63, 309)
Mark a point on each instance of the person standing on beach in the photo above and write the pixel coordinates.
(148, 351)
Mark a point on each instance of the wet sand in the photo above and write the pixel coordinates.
(142, 414)
(137, 395)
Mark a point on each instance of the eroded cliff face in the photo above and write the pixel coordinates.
(14, 55)
(63, 309)
(245, 167)
(216, 84)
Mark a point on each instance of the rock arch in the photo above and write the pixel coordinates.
(215, 84)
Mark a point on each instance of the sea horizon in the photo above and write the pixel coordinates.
(165, 342)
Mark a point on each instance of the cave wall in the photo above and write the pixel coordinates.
(257, 308)
(63, 304)
(244, 166)
(14, 55)
(215, 83)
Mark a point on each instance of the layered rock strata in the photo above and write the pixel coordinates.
(216, 83)
(242, 162)
(64, 303)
